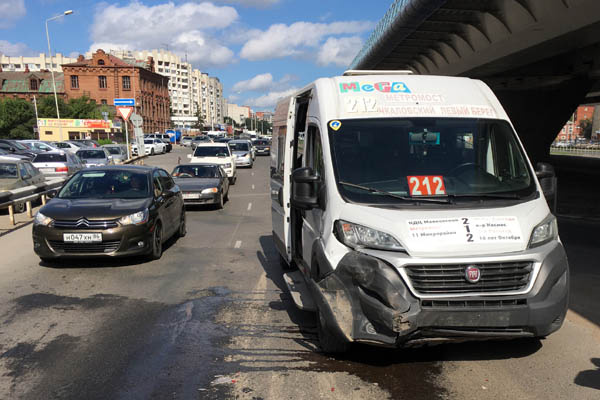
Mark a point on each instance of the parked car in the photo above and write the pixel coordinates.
(202, 183)
(186, 141)
(168, 145)
(14, 147)
(216, 153)
(86, 142)
(67, 146)
(8, 154)
(242, 151)
(151, 147)
(38, 145)
(117, 151)
(110, 211)
(200, 139)
(93, 157)
(57, 163)
(16, 174)
(262, 146)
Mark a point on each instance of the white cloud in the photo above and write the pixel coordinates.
(251, 3)
(270, 99)
(15, 49)
(259, 82)
(11, 11)
(183, 27)
(282, 40)
(339, 52)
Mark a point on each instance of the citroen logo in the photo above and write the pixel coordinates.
(82, 222)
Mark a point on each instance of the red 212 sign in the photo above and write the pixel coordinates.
(426, 185)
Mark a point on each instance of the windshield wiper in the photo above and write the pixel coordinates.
(442, 200)
(486, 196)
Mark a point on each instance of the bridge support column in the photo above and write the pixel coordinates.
(539, 114)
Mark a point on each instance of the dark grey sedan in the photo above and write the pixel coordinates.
(202, 183)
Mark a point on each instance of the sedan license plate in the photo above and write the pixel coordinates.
(46, 170)
(82, 237)
(188, 196)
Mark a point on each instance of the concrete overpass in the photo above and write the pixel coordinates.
(541, 57)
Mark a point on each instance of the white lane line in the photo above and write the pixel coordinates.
(252, 187)
(238, 244)
(249, 206)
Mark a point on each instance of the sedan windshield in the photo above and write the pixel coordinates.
(91, 154)
(383, 160)
(211, 151)
(239, 146)
(196, 171)
(113, 150)
(50, 157)
(113, 184)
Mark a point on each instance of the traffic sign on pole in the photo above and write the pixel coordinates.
(136, 120)
(125, 112)
(124, 102)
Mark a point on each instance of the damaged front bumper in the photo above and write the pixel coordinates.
(365, 299)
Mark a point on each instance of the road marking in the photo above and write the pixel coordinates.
(252, 187)
(249, 206)
(253, 174)
(238, 244)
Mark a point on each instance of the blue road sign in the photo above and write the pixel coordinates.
(125, 102)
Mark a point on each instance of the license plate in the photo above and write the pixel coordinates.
(82, 237)
(42, 170)
(191, 195)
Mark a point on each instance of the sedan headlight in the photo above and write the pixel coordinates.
(41, 219)
(210, 190)
(357, 236)
(545, 232)
(137, 218)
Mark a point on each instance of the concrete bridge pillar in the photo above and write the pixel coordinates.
(539, 114)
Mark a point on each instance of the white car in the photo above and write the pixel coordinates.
(39, 145)
(66, 146)
(151, 147)
(216, 153)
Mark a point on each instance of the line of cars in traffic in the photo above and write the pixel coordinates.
(125, 210)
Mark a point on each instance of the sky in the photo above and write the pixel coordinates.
(261, 50)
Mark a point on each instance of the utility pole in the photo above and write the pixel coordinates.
(37, 121)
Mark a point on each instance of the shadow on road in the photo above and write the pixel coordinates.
(590, 378)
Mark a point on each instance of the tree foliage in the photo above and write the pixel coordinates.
(585, 125)
(17, 119)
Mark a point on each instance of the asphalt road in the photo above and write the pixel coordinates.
(212, 320)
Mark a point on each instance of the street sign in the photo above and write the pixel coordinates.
(125, 112)
(105, 115)
(124, 102)
(136, 120)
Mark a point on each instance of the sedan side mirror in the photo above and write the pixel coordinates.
(306, 186)
(52, 193)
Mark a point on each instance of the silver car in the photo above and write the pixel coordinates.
(94, 156)
(57, 163)
(39, 145)
(242, 152)
(117, 151)
(66, 146)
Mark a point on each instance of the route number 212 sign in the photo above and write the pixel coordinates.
(426, 185)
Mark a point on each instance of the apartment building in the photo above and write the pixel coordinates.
(238, 113)
(190, 90)
(33, 64)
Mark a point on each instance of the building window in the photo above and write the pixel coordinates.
(74, 82)
(100, 62)
(103, 101)
(102, 81)
(126, 83)
(33, 84)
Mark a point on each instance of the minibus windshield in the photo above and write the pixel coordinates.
(418, 158)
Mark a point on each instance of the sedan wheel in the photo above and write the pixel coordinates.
(151, 152)
(157, 242)
(20, 208)
(182, 226)
(221, 202)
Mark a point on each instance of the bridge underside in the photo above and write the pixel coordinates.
(541, 57)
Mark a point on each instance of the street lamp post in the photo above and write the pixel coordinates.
(68, 12)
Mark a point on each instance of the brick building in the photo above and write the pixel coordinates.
(105, 77)
(27, 84)
(571, 130)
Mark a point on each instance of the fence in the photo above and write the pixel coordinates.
(575, 151)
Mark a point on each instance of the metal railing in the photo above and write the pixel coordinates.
(580, 151)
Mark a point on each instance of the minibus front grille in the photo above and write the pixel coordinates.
(451, 278)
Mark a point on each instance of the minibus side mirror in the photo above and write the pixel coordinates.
(546, 176)
(305, 188)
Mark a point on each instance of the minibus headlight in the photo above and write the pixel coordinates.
(544, 232)
(357, 236)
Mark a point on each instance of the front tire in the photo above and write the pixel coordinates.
(182, 225)
(20, 208)
(151, 152)
(220, 202)
(156, 242)
(329, 341)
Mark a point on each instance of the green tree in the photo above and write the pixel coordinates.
(585, 125)
(230, 121)
(82, 108)
(200, 123)
(47, 108)
(17, 119)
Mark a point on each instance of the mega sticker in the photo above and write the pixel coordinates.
(426, 185)
(335, 125)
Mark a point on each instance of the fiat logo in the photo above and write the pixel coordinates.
(472, 274)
